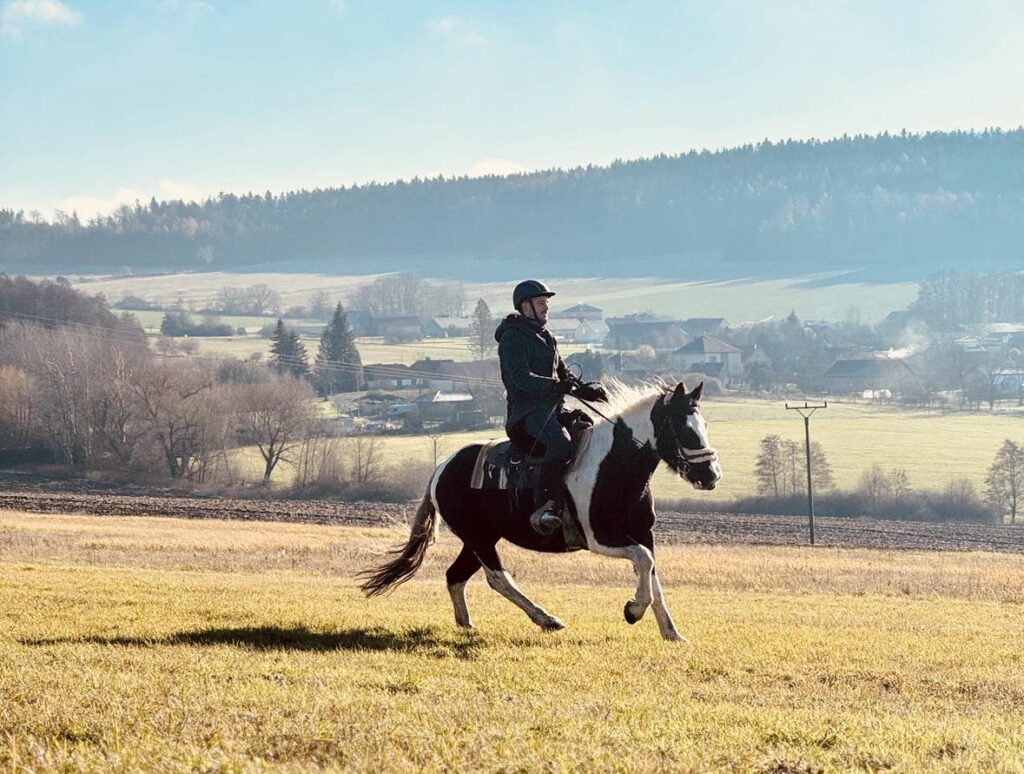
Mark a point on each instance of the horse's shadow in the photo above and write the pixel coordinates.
(299, 638)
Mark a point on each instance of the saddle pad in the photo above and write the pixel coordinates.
(491, 460)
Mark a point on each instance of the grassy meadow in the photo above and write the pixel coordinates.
(934, 448)
(155, 644)
(821, 297)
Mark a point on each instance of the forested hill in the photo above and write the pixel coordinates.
(895, 207)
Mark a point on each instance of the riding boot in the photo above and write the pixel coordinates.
(549, 496)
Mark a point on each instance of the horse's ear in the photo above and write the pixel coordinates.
(697, 392)
(678, 392)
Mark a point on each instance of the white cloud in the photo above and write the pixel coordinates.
(485, 167)
(457, 30)
(88, 206)
(21, 15)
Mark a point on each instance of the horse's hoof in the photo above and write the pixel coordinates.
(674, 636)
(632, 617)
(552, 624)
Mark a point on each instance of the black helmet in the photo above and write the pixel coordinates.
(530, 289)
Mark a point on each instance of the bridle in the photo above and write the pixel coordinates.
(686, 457)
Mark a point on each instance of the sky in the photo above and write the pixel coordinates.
(103, 103)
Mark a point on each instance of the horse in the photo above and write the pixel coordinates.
(607, 491)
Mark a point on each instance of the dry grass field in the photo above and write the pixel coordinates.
(737, 300)
(156, 644)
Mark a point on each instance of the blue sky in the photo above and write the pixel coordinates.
(106, 102)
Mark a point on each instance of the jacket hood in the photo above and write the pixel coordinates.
(517, 322)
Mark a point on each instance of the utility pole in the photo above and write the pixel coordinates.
(806, 411)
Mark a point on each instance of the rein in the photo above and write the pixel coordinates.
(688, 456)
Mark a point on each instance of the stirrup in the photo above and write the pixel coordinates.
(544, 520)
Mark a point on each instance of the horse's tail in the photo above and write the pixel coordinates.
(409, 557)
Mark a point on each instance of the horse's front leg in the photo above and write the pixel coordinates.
(643, 565)
(666, 625)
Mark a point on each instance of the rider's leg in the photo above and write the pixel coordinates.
(550, 487)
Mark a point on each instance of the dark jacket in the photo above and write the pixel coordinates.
(530, 367)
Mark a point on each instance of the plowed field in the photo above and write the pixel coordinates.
(39, 495)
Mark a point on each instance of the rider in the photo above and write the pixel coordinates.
(536, 382)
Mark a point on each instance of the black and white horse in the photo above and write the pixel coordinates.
(608, 489)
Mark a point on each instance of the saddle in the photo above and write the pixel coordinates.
(500, 465)
(505, 464)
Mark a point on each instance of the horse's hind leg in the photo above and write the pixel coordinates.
(499, 580)
(461, 570)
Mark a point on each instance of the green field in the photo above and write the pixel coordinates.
(853, 435)
(738, 300)
(155, 644)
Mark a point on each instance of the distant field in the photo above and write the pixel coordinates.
(853, 435)
(133, 644)
(736, 300)
(151, 320)
(372, 349)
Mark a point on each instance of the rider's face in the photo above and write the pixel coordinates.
(540, 303)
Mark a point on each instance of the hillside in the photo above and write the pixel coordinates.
(892, 207)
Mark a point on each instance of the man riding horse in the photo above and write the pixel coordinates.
(536, 383)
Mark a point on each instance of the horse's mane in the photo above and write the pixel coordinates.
(622, 398)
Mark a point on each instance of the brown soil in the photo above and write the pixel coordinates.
(36, 494)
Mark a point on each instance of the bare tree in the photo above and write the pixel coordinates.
(319, 459)
(768, 468)
(320, 305)
(18, 425)
(444, 299)
(875, 483)
(174, 418)
(781, 470)
(1004, 485)
(365, 461)
(275, 416)
(68, 370)
(394, 295)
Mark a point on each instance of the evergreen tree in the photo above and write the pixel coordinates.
(481, 331)
(288, 353)
(338, 365)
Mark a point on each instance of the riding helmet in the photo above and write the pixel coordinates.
(530, 289)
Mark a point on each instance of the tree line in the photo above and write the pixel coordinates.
(927, 200)
(780, 471)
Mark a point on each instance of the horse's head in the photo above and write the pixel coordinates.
(681, 437)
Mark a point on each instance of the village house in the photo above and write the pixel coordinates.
(361, 322)
(399, 328)
(659, 334)
(383, 376)
(709, 355)
(446, 327)
(705, 326)
(452, 376)
(580, 312)
(629, 368)
(858, 375)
